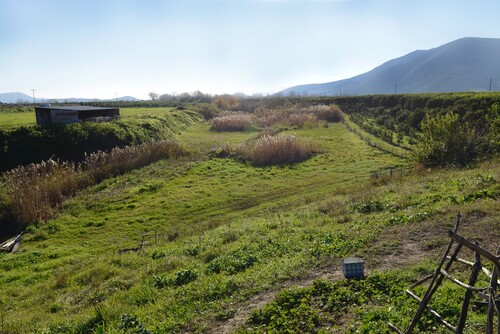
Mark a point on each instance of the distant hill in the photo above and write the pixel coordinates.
(463, 65)
(17, 97)
(77, 99)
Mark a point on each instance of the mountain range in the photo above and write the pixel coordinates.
(16, 97)
(464, 65)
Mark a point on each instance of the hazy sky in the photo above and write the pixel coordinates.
(99, 48)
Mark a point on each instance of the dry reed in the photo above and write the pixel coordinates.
(298, 116)
(34, 190)
(281, 149)
(232, 121)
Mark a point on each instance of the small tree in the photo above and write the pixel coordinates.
(445, 140)
(153, 96)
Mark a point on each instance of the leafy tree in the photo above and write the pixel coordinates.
(153, 96)
(445, 140)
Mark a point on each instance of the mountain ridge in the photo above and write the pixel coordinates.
(463, 65)
(18, 97)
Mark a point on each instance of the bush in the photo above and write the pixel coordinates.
(207, 110)
(446, 141)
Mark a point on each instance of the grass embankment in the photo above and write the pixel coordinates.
(27, 144)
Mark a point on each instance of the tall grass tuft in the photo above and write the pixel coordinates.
(33, 191)
(232, 121)
(331, 113)
(278, 150)
(101, 165)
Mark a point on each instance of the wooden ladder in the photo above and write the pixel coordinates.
(442, 272)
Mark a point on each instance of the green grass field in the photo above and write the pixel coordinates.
(219, 235)
(10, 119)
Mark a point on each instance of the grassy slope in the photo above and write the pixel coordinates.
(258, 226)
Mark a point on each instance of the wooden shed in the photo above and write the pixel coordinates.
(46, 116)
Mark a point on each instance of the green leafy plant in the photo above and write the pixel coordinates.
(446, 140)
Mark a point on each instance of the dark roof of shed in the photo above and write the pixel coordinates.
(74, 108)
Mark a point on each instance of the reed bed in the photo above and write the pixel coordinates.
(298, 116)
(232, 121)
(294, 115)
(280, 149)
(35, 190)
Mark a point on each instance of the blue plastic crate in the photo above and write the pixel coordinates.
(353, 267)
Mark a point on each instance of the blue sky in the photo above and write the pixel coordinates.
(99, 48)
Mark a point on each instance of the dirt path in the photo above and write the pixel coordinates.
(260, 300)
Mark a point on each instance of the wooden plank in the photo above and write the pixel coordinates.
(422, 281)
(434, 313)
(459, 283)
(9, 245)
(394, 328)
(463, 241)
(492, 302)
(485, 270)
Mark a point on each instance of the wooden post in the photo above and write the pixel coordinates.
(468, 294)
(492, 301)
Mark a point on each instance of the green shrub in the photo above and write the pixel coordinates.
(291, 312)
(234, 262)
(180, 278)
(445, 140)
(207, 110)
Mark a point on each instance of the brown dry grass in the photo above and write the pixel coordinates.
(278, 150)
(232, 121)
(299, 116)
